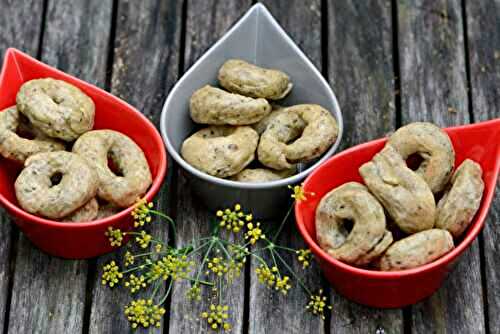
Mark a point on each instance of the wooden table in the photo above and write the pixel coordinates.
(389, 62)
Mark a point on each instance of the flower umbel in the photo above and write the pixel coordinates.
(254, 233)
(142, 312)
(115, 236)
(111, 274)
(194, 293)
(317, 304)
(144, 239)
(233, 220)
(129, 259)
(135, 283)
(299, 194)
(217, 316)
(282, 284)
(304, 257)
(141, 212)
(266, 275)
(174, 266)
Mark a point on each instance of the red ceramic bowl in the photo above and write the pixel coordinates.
(398, 288)
(86, 239)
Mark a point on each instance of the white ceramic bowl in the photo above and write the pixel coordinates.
(259, 39)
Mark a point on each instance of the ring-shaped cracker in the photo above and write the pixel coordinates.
(38, 193)
(350, 202)
(459, 204)
(240, 77)
(86, 213)
(13, 146)
(221, 151)
(58, 109)
(134, 176)
(404, 194)
(210, 105)
(434, 147)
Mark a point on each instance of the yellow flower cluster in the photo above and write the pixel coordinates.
(144, 239)
(176, 267)
(304, 257)
(194, 293)
(135, 283)
(272, 278)
(143, 313)
(299, 194)
(111, 274)
(141, 212)
(217, 316)
(317, 304)
(218, 266)
(115, 236)
(254, 233)
(233, 220)
(129, 259)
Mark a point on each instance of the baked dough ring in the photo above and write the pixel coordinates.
(433, 145)
(416, 250)
(134, 178)
(14, 147)
(240, 77)
(38, 194)
(86, 213)
(58, 109)
(256, 175)
(210, 105)
(459, 204)
(221, 151)
(282, 129)
(405, 195)
(350, 201)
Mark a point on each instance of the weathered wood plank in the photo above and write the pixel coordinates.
(49, 293)
(483, 35)
(434, 88)
(302, 21)
(206, 22)
(145, 67)
(26, 38)
(362, 75)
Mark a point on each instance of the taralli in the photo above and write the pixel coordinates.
(221, 151)
(58, 109)
(210, 105)
(320, 133)
(378, 249)
(416, 250)
(240, 77)
(134, 176)
(13, 146)
(350, 202)
(282, 129)
(107, 210)
(256, 175)
(86, 213)
(261, 126)
(460, 203)
(434, 147)
(39, 192)
(404, 194)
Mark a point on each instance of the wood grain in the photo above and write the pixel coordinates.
(26, 37)
(434, 88)
(483, 36)
(206, 22)
(145, 66)
(361, 71)
(49, 293)
(302, 21)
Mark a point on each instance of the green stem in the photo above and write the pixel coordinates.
(204, 260)
(166, 294)
(169, 220)
(200, 281)
(271, 250)
(293, 274)
(286, 248)
(136, 268)
(283, 223)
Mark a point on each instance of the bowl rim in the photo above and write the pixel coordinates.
(473, 232)
(153, 189)
(257, 185)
